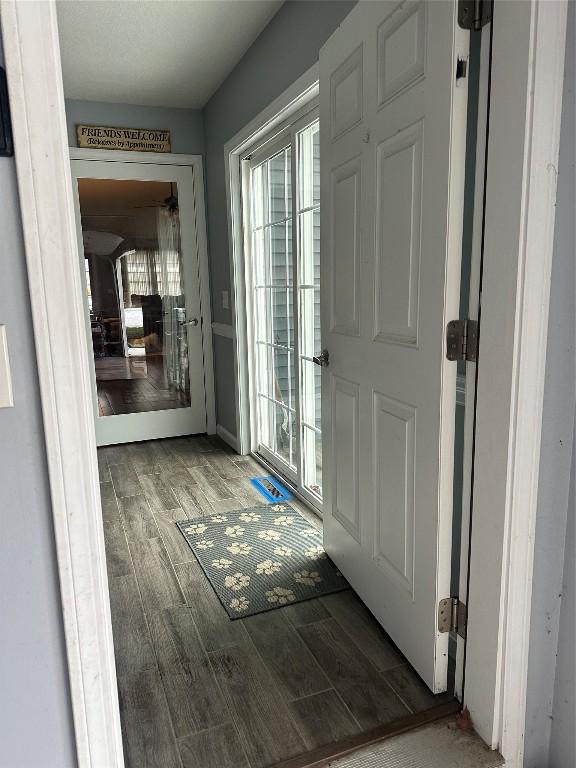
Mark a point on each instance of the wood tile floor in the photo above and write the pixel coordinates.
(135, 385)
(197, 690)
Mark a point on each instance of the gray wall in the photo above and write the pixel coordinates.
(35, 715)
(285, 49)
(186, 125)
(550, 725)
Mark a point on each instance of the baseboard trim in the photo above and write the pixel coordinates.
(228, 437)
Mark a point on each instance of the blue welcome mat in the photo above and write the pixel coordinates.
(262, 558)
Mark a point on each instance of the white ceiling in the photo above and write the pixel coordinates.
(169, 53)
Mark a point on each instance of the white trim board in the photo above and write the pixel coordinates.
(227, 436)
(521, 181)
(523, 143)
(30, 37)
(304, 90)
(117, 156)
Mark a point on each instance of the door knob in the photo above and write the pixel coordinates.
(193, 322)
(322, 359)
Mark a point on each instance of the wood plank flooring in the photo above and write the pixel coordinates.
(135, 385)
(197, 690)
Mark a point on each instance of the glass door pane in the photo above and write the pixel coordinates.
(285, 302)
(135, 279)
(308, 222)
(272, 308)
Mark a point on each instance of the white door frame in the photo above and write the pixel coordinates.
(297, 96)
(524, 135)
(527, 74)
(194, 162)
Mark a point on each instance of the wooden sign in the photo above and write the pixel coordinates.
(127, 139)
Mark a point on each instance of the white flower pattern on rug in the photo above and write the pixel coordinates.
(196, 529)
(234, 530)
(268, 567)
(239, 548)
(310, 578)
(280, 595)
(284, 520)
(316, 553)
(260, 558)
(269, 535)
(237, 581)
(239, 604)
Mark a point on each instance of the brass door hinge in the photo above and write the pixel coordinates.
(452, 616)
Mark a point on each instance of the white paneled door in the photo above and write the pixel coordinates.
(392, 122)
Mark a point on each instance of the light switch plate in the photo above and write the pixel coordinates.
(6, 400)
(225, 300)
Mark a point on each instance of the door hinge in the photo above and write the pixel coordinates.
(452, 616)
(462, 340)
(474, 14)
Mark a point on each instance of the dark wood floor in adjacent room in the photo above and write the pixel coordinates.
(197, 690)
(135, 385)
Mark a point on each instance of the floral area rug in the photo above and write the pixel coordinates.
(262, 558)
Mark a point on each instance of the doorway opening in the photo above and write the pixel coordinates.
(144, 296)
(89, 619)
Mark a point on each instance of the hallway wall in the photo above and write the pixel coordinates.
(185, 125)
(285, 49)
(36, 720)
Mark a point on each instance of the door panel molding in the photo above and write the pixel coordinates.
(345, 454)
(346, 191)
(396, 312)
(346, 87)
(412, 21)
(394, 478)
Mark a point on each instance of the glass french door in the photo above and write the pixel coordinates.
(138, 243)
(283, 281)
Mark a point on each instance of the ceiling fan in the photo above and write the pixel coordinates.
(170, 203)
